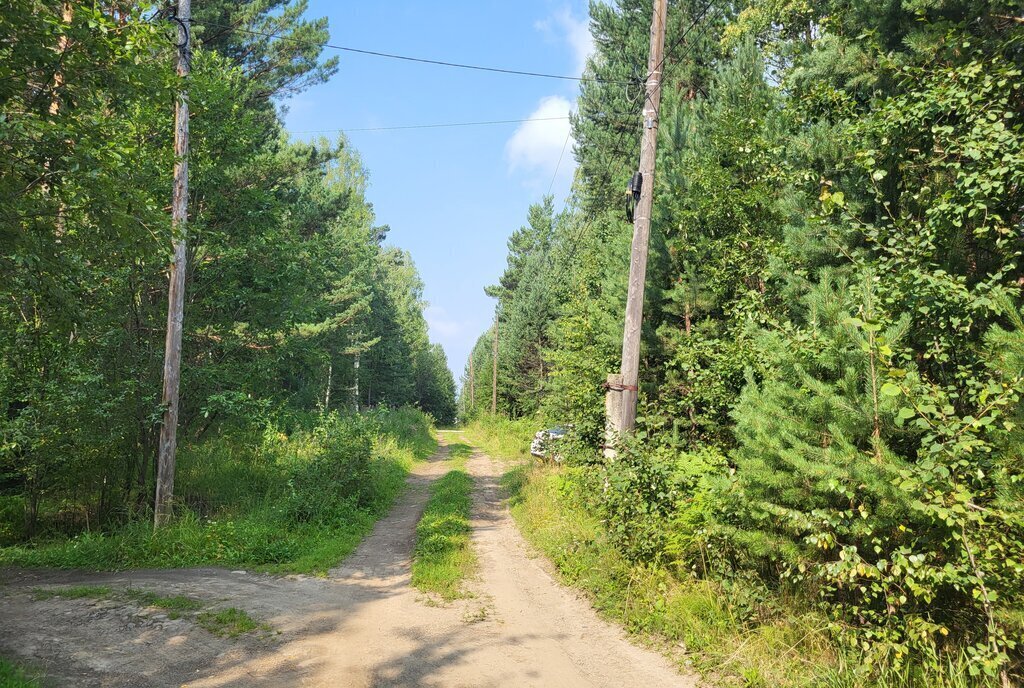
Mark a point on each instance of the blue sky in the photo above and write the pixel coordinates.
(452, 196)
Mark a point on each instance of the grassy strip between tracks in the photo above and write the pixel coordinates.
(444, 555)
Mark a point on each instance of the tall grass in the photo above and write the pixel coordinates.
(282, 503)
(503, 438)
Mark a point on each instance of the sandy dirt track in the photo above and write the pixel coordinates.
(362, 626)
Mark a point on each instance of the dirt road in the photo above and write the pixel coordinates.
(362, 626)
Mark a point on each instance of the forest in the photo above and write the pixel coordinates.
(825, 485)
(829, 435)
(297, 313)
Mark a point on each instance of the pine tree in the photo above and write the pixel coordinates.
(814, 464)
(718, 211)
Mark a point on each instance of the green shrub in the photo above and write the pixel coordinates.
(327, 486)
(12, 519)
(860, 483)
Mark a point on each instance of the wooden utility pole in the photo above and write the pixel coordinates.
(642, 225)
(472, 383)
(494, 367)
(176, 288)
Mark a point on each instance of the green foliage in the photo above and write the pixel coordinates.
(721, 222)
(587, 335)
(281, 67)
(526, 301)
(340, 468)
(405, 433)
(293, 303)
(646, 490)
(502, 438)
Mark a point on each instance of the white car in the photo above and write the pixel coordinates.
(543, 444)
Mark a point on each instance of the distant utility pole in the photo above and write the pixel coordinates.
(628, 386)
(494, 367)
(472, 383)
(176, 288)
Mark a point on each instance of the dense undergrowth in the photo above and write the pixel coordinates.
(443, 557)
(733, 631)
(295, 502)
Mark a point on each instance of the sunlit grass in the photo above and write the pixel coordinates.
(230, 623)
(502, 438)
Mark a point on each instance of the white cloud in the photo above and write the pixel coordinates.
(563, 25)
(536, 146)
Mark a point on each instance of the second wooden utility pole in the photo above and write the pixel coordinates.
(494, 367)
(629, 385)
(472, 384)
(176, 289)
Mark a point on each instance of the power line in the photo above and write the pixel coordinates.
(422, 60)
(435, 126)
(624, 117)
(576, 242)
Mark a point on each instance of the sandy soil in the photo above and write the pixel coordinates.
(364, 625)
